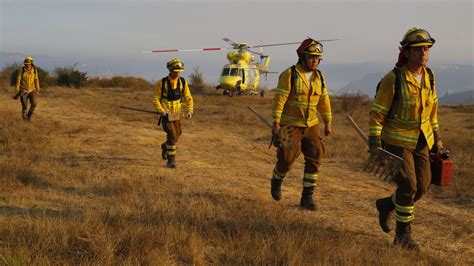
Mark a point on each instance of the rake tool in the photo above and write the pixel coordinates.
(282, 138)
(383, 164)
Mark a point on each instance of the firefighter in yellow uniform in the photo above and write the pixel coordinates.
(170, 92)
(27, 87)
(301, 92)
(404, 117)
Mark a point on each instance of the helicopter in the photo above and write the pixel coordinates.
(241, 75)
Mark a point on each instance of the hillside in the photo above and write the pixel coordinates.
(465, 97)
(450, 80)
(85, 183)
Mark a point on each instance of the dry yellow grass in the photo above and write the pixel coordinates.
(85, 183)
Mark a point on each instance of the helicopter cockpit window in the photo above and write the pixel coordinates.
(225, 72)
(234, 72)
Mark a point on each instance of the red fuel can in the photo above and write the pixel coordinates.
(441, 169)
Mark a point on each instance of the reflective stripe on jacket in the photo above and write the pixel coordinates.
(27, 80)
(163, 104)
(299, 106)
(417, 111)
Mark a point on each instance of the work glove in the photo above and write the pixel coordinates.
(163, 114)
(374, 144)
(19, 94)
(440, 147)
(438, 142)
(275, 128)
(189, 115)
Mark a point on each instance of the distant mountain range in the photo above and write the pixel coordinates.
(464, 97)
(452, 81)
(340, 78)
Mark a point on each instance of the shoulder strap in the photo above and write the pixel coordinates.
(323, 83)
(431, 75)
(163, 80)
(183, 83)
(396, 95)
(183, 86)
(293, 77)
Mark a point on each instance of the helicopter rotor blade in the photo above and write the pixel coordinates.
(257, 53)
(274, 44)
(230, 41)
(185, 50)
(326, 40)
(289, 43)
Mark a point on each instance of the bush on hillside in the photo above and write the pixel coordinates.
(196, 78)
(70, 77)
(197, 84)
(7, 73)
(120, 82)
(352, 102)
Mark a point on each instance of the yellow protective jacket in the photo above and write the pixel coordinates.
(299, 106)
(27, 80)
(417, 111)
(163, 98)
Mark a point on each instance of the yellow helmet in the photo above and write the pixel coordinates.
(175, 65)
(417, 37)
(28, 60)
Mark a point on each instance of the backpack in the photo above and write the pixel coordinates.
(173, 94)
(294, 77)
(396, 97)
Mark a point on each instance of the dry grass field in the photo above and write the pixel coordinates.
(84, 183)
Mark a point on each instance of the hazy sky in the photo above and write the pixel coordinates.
(368, 30)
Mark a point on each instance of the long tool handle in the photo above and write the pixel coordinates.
(359, 131)
(366, 139)
(140, 110)
(261, 117)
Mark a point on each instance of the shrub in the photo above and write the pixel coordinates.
(353, 102)
(7, 73)
(196, 78)
(70, 77)
(197, 84)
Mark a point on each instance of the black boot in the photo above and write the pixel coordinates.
(385, 207)
(403, 237)
(163, 151)
(306, 201)
(276, 188)
(171, 162)
(30, 113)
